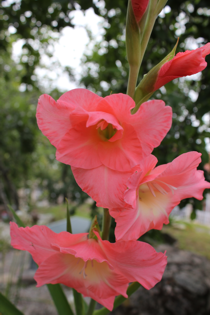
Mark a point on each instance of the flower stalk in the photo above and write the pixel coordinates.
(106, 224)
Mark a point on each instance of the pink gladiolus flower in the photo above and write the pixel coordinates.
(95, 268)
(154, 192)
(139, 8)
(99, 137)
(183, 64)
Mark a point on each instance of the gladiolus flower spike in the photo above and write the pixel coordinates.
(95, 268)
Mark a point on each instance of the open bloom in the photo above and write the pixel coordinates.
(183, 64)
(139, 8)
(99, 135)
(154, 192)
(95, 268)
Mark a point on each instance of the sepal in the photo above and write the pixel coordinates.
(132, 38)
(145, 89)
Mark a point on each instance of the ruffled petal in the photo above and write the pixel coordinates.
(192, 187)
(150, 213)
(104, 185)
(121, 105)
(53, 118)
(87, 250)
(183, 64)
(38, 240)
(152, 122)
(124, 154)
(137, 261)
(92, 279)
(81, 98)
(79, 147)
(154, 195)
(180, 169)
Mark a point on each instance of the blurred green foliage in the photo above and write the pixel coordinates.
(25, 155)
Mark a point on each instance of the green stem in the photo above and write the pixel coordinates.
(151, 18)
(91, 307)
(59, 299)
(106, 224)
(119, 300)
(132, 80)
(78, 302)
(134, 69)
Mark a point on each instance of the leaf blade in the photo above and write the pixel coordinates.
(6, 307)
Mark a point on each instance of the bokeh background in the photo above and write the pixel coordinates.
(53, 46)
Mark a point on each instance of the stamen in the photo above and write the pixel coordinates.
(102, 124)
(83, 270)
(160, 189)
(151, 189)
(172, 188)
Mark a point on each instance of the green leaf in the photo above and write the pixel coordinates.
(79, 303)
(78, 300)
(193, 215)
(17, 219)
(7, 308)
(55, 290)
(59, 299)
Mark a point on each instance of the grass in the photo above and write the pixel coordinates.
(59, 211)
(194, 237)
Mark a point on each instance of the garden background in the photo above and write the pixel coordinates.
(31, 180)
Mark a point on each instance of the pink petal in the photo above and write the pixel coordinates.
(205, 50)
(79, 147)
(150, 213)
(137, 261)
(104, 185)
(92, 279)
(192, 187)
(178, 171)
(183, 64)
(53, 118)
(93, 118)
(141, 174)
(139, 8)
(87, 250)
(124, 154)
(81, 98)
(151, 122)
(120, 104)
(38, 240)
(157, 194)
